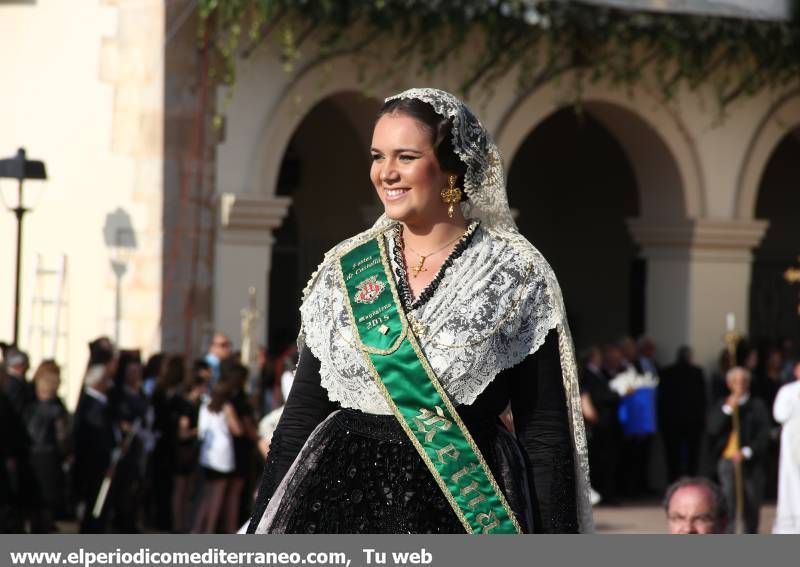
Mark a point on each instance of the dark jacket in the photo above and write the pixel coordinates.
(682, 399)
(20, 395)
(604, 399)
(754, 430)
(94, 441)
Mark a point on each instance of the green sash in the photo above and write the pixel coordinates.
(412, 390)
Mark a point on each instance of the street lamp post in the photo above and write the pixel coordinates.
(20, 168)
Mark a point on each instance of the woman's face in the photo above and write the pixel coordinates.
(46, 387)
(405, 171)
(133, 375)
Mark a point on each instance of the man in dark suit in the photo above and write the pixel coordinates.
(682, 414)
(747, 450)
(95, 439)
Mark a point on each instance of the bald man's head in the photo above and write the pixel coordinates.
(695, 506)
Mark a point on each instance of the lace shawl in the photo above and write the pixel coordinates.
(490, 311)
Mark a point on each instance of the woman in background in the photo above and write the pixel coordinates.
(186, 451)
(243, 444)
(48, 428)
(217, 424)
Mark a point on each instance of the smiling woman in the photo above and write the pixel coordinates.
(412, 162)
(392, 424)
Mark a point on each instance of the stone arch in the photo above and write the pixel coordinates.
(779, 121)
(314, 155)
(665, 160)
(300, 96)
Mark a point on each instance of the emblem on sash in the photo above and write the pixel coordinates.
(369, 290)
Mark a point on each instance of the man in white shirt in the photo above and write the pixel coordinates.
(786, 411)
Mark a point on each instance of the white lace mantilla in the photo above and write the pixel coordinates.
(493, 307)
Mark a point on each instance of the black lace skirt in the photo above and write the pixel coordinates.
(359, 473)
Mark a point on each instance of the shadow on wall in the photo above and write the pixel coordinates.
(120, 239)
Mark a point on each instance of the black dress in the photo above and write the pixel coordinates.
(361, 474)
(46, 453)
(186, 450)
(242, 445)
(368, 478)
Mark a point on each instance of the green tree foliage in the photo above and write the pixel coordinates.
(538, 41)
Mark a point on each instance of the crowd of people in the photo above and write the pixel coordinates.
(158, 445)
(161, 445)
(720, 427)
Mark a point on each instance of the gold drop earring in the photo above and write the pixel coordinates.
(451, 195)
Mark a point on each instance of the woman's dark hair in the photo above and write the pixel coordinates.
(441, 133)
(154, 364)
(126, 358)
(200, 365)
(234, 373)
(221, 394)
(172, 373)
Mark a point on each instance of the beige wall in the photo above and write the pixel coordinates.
(83, 91)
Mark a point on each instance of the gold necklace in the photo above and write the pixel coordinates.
(420, 267)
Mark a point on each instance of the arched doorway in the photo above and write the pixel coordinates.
(573, 186)
(325, 171)
(774, 301)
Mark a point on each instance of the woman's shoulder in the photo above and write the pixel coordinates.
(516, 247)
(511, 254)
(329, 260)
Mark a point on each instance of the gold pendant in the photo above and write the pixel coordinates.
(420, 267)
(417, 326)
(451, 195)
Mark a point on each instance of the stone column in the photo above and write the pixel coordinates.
(243, 259)
(697, 272)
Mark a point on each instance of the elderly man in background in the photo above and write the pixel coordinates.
(786, 411)
(695, 505)
(745, 448)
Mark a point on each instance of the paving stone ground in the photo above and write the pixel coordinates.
(649, 518)
(644, 518)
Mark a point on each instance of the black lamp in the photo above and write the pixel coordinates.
(20, 168)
